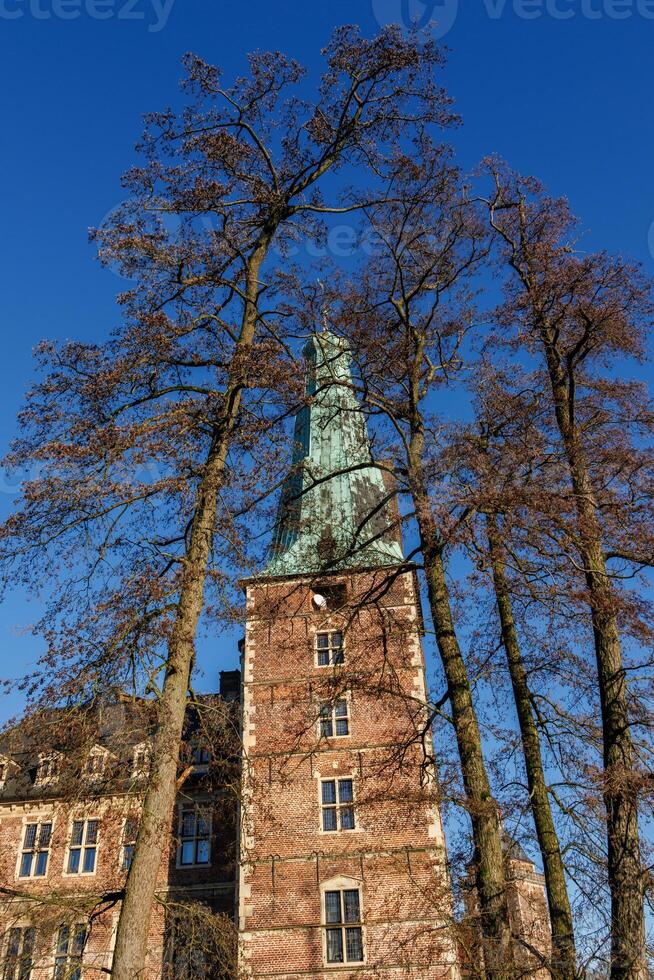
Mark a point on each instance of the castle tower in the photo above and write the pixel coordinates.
(342, 855)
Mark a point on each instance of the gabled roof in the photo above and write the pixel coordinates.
(334, 513)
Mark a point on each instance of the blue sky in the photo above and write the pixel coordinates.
(561, 88)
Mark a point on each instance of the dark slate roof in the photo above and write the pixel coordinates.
(513, 850)
(117, 725)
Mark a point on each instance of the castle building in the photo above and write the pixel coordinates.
(71, 789)
(336, 867)
(343, 866)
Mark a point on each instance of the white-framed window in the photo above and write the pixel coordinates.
(337, 804)
(329, 649)
(128, 841)
(334, 718)
(18, 953)
(140, 760)
(47, 770)
(194, 837)
(69, 951)
(35, 849)
(83, 847)
(343, 925)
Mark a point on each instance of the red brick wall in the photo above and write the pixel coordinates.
(530, 921)
(529, 916)
(48, 902)
(396, 853)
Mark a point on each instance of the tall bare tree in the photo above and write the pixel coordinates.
(175, 390)
(409, 311)
(580, 313)
(501, 465)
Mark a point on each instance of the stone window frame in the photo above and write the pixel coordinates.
(48, 769)
(330, 648)
(6, 765)
(342, 883)
(84, 846)
(38, 820)
(72, 952)
(22, 926)
(135, 816)
(141, 758)
(196, 806)
(338, 806)
(181, 957)
(91, 772)
(333, 718)
(107, 955)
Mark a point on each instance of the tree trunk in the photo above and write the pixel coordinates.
(490, 878)
(154, 830)
(620, 796)
(563, 965)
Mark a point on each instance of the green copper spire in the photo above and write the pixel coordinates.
(332, 514)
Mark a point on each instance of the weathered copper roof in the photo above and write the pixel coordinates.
(335, 512)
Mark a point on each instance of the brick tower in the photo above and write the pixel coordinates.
(342, 869)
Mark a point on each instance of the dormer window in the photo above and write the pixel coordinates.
(141, 760)
(5, 765)
(96, 763)
(47, 770)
